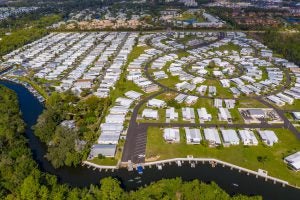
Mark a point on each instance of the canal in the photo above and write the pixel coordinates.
(231, 181)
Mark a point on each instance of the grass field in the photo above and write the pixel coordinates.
(243, 156)
(105, 161)
(294, 106)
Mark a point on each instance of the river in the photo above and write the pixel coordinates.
(231, 181)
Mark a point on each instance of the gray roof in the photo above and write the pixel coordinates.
(107, 150)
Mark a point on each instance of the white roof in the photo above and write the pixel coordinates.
(211, 134)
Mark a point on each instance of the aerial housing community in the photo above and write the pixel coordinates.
(173, 93)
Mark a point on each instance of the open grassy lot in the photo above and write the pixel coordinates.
(249, 103)
(294, 106)
(243, 156)
(191, 16)
(229, 47)
(105, 161)
(221, 91)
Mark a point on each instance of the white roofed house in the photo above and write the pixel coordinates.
(171, 114)
(296, 116)
(203, 115)
(124, 102)
(193, 135)
(150, 114)
(171, 135)
(224, 114)
(225, 83)
(191, 100)
(83, 84)
(276, 100)
(268, 137)
(107, 150)
(156, 103)
(115, 118)
(133, 95)
(212, 136)
(118, 110)
(230, 137)
(180, 98)
(293, 161)
(230, 103)
(202, 89)
(212, 90)
(188, 114)
(285, 98)
(248, 137)
(114, 128)
(108, 138)
(218, 103)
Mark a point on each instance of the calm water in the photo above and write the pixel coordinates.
(82, 176)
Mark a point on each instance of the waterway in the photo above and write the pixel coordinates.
(231, 181)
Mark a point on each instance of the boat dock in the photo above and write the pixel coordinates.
(99, 167)
(193, 162)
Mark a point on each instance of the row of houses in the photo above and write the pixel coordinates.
(28, 52)
(188, 114)
(113, 127)
(288, 95)
(135, 70)
(227, 137)
(250, 82)
(115, 70)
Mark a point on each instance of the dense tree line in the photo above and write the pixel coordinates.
(63, 143)
(284, 43)
(23, 31)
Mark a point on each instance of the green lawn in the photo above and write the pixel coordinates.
(221, 91)
(229, 47)
(250, 103)
(105, 161)
(188, 16)
(294, 106)
(239, 155)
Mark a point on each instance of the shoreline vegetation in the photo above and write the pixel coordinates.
(22, 179)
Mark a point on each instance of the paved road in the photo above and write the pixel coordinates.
(136, 138)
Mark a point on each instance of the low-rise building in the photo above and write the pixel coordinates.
(156, 103)
(193, 135)
(230, 137)
(248, 137)
(172, 135)
(212, 136)
(150, 114)
(107, 150)
(268, 137)
(293, 161)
